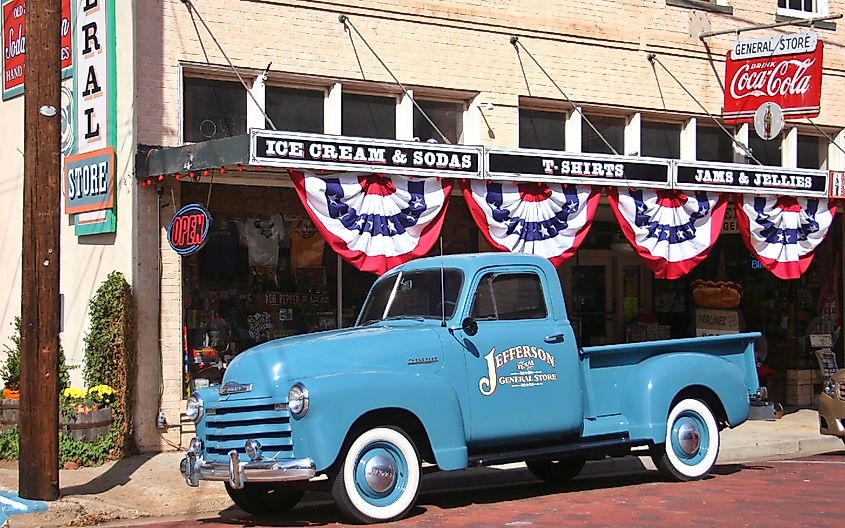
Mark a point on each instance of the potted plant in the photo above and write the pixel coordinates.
(87, 414)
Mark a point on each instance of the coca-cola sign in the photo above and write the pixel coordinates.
(793, 82)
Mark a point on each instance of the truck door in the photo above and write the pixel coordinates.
(522, 364)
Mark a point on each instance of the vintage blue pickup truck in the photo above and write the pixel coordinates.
(458, 361)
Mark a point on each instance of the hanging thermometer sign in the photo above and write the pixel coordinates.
(188, 230)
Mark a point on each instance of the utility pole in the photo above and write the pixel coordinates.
(38, 476)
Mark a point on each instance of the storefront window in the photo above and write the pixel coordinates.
(713, 144)
(295, 109)
(661, 140)
(541, 130)
(213, 109)
(447, 116)
(812, 152)
(611, 128)
(766, 152)
(369, 116)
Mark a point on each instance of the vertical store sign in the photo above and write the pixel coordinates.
(13, 29)
(783, 69)
(90, 182)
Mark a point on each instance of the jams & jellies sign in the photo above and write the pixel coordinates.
(782, 69)
(13, 29)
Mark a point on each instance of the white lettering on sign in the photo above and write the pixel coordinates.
(525, 374)
(775, 45)
(772, 79)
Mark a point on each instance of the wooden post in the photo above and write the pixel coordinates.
(40, 306)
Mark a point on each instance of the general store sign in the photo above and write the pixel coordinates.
(89, 181)
(317, 151)
(13, 30)
(568, 167)
(783, 69)
(754, 179)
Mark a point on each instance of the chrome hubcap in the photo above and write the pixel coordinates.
(689, 439)
(380, 473)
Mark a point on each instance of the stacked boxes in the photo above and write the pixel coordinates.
(803, 388)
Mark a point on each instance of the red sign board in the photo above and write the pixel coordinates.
(14, 44)
(794, 82)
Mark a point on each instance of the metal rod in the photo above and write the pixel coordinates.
(798, 22)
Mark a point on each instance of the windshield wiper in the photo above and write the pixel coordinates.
(407, 317)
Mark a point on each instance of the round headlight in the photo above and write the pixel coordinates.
(298, 400)
(830, 387)
(193, 409)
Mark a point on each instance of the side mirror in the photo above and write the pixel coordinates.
(469, 326)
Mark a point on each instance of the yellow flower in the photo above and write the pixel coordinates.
(73, 393)
(101, 391)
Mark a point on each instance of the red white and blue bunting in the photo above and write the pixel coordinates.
(546, 219)
(671, 231)
(375, 222)
(783, 231)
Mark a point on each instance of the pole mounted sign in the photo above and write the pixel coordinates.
(785, 70)
(13, 29)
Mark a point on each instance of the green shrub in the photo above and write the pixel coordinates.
(110, 353)
(10, 444)
(10, 372)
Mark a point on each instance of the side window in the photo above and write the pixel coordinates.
(508, 297)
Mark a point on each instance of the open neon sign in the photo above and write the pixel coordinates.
(188, 230)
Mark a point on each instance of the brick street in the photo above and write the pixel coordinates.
(771, 494)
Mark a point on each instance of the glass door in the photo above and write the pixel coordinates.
(589, 286)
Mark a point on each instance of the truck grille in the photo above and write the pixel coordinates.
(230, 424)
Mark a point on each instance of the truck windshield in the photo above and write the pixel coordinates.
(412, 294)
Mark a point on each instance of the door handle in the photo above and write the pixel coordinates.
(554, 338)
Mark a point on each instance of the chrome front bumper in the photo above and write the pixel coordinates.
(237, 473)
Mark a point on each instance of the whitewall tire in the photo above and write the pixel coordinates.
(692, 442)
(379, 479)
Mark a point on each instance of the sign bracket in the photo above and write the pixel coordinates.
(798, 22)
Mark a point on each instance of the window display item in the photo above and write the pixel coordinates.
(716, 294)
(262, 237)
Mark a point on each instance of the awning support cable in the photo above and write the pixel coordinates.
(343, 19)
(514, 40)
(193, 10)
(652, 58)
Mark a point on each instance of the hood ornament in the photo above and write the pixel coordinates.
(233, 387)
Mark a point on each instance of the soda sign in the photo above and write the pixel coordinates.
(187, 231)
(792, 81)
(14, 45)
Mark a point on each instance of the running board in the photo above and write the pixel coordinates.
(554, 452)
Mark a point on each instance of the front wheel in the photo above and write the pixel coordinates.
(692, 442)
(260, 498)
(379, 479)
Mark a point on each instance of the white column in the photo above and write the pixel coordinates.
(632, 135)
(254, 113)
(332, 116)
(405, 117)
(835, 156)
(789, 148)
(688, 139)
(742, 137)
(472, 121)
(572, 130)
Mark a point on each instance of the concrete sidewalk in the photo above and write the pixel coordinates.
(150, 487)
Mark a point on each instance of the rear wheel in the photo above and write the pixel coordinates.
(379, 478)
(557, 471)
(260, 498)
(692, 442)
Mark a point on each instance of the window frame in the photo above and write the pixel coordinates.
(488, 279)
(822, 9)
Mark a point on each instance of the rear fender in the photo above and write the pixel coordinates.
(337, 401)
(656, 382)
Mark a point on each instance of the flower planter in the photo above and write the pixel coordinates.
(9, 412)
(88, 426)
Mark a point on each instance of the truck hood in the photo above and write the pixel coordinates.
(271, 368)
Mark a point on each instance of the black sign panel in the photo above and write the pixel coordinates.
(324, 152)
(187, 231)
(595, 169)
(756, 179)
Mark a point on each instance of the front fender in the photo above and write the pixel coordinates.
(656, 381)
(338, 400)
